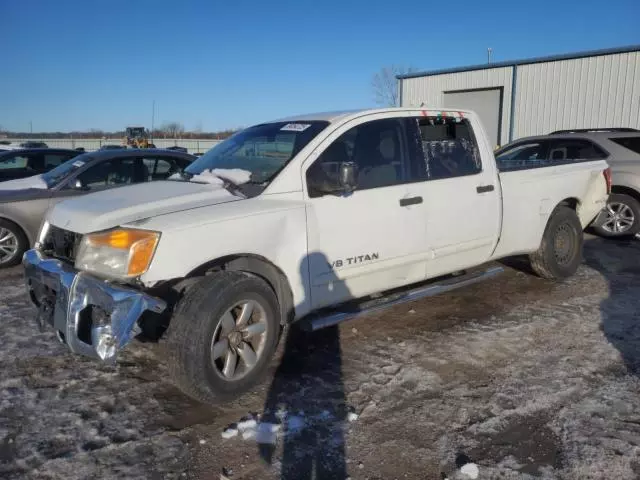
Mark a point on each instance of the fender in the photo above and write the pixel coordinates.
(262, 268)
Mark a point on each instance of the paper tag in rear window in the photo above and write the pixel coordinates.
(78, 163)
(295, 127)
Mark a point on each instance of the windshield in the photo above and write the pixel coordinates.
(62, 171)
(261, 150)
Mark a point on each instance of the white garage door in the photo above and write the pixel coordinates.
(487, 103)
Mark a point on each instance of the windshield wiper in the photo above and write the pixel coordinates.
(231, 187)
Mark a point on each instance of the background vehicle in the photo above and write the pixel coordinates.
(178, 149)
(620, 147)
(24, 202)
(302, 219)
(112, 147)
(27, 162)
(137, 137)
(34, 144)
(6, 145)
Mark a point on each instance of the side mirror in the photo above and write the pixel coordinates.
(348, 176)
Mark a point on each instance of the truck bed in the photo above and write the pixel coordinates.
(532, 190)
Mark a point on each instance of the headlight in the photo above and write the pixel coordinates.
(42, 233)
(122, 252)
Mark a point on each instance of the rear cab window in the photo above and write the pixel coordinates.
(445, 147)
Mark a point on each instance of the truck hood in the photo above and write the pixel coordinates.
(117, 206)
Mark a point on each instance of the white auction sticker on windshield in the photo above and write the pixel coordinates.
(78, 163)
(295, 127)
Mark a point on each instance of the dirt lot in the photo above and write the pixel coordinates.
(525, 377)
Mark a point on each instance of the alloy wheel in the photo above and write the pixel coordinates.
(8, 244)
(618, 218)
(239, 340)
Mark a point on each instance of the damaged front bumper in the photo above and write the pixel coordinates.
(91, 316)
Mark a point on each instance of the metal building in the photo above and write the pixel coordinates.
(536, 96)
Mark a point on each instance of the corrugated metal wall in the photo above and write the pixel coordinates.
(429, 89)
(598, 91)
(580, 93)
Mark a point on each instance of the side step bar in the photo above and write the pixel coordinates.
(349, 312)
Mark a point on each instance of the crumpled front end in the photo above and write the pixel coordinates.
(91, 316)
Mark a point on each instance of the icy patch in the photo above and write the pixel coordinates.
(251, 428)
(470, 470)
(249, 424)
(295, 423)
(229, 432)
(267, 433)
(24, 183)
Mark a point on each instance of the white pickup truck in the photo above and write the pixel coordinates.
(318, 219)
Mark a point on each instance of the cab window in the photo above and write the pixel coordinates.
(379, 150)
(446, 148)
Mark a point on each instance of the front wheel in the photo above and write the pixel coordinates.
(620, 218)
(560, 251)
(222, 336)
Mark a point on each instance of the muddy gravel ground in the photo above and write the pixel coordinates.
(525, 377)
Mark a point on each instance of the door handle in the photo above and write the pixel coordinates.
(484, 189)
(405, 202)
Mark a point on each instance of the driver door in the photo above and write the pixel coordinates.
(372, 239)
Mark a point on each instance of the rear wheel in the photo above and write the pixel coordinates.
(620, 218)
(13, 244)
(560, 252)
(222, 336)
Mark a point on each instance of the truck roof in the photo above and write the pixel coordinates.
(334, 116)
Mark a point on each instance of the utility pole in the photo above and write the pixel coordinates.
(30, 126)
(153, 118)
(489, 51)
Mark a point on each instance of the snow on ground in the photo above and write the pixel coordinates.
(521, 377)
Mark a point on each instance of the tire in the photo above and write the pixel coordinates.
(198, 321)
(623, 208)
(13, 244)
(560, 251)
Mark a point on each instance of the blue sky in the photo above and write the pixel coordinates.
(79, 64)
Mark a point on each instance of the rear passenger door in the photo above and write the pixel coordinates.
(52, 160)
(461, 193)
(20, 165)
(160, 168)
(112, 173)
(572, 150)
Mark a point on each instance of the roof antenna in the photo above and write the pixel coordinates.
(489, 51)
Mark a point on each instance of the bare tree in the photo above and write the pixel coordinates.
(385, 84)
(173, 129)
